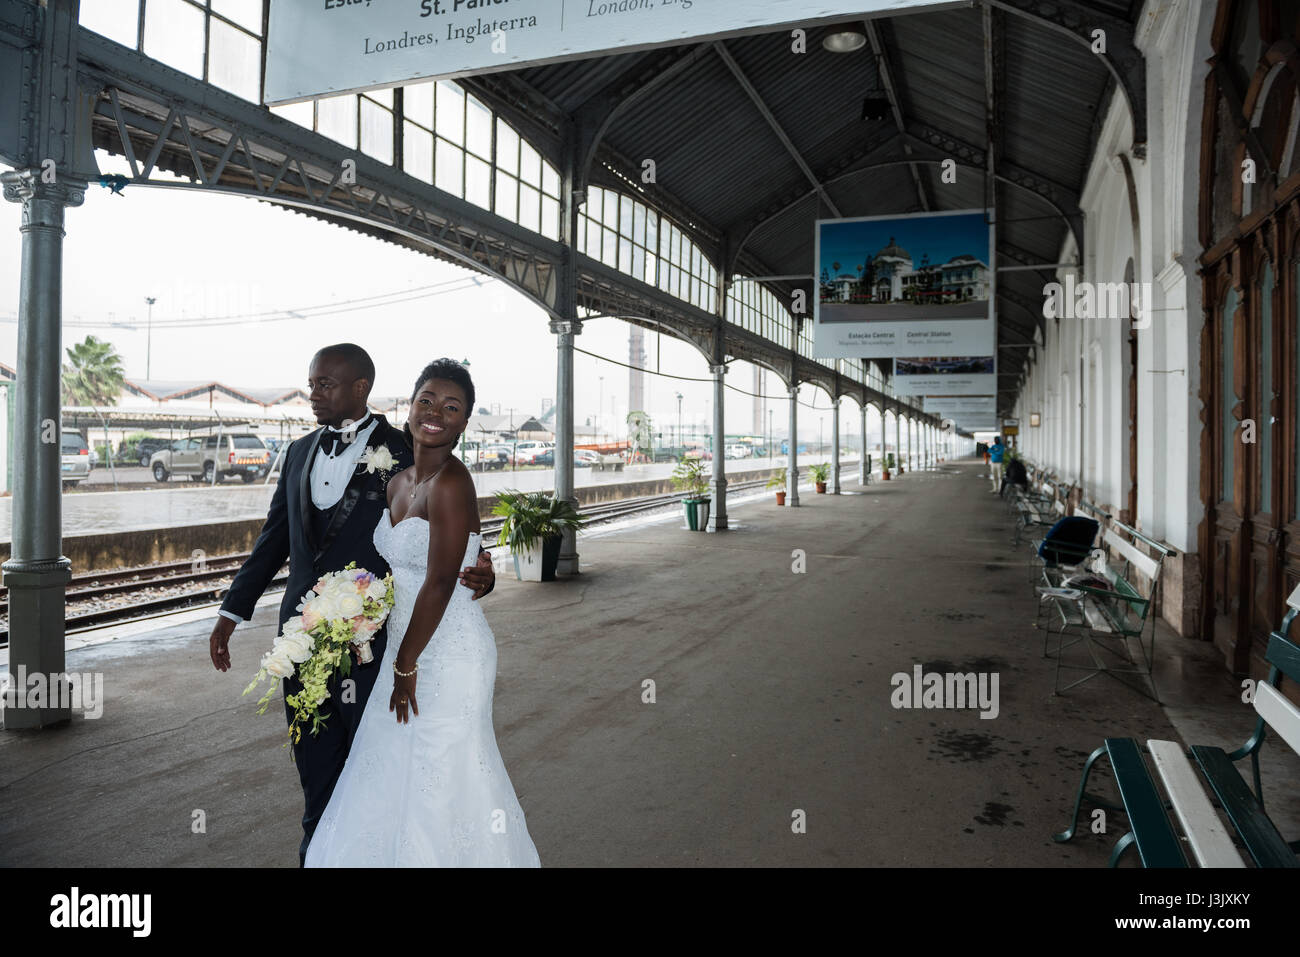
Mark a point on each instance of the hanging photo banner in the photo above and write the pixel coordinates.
(974, 413)
(325, 47)
(900, 286)
(953, 375)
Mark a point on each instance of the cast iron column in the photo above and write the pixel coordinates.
(37, 572)
(898, 441)
(862, 462)
(564, 333)
(718, 485)
(792, 468)
(835, 447)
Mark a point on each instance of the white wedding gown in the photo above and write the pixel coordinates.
(432, 793)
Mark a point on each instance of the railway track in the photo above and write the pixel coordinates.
(96, 599)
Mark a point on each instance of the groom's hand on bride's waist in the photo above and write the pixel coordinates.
(219, 643)
(482, 578)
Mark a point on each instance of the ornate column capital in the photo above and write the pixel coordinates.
(566, 327)
(25, 185)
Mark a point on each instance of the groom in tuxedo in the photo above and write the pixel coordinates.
(323, 516)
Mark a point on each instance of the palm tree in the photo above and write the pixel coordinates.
(93, 374)
(836, 267)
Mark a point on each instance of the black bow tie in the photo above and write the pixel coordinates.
(333, 441)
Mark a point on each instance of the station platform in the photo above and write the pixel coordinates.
(773, 696)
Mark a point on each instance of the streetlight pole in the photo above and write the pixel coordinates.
(680, 441)
(148, 347)
(514, 439)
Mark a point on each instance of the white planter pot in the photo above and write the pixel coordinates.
(528, 564)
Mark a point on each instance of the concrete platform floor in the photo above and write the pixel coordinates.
(772, 696)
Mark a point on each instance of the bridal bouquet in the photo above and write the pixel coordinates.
(343, 611)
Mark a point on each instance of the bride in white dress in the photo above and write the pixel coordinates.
(424, 784)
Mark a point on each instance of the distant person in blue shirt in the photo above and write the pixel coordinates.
(996, 453)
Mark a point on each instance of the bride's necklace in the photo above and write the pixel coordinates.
(426, 479)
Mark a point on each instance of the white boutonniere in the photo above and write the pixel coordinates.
(378, 459)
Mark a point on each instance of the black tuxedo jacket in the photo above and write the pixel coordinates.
(349, 533)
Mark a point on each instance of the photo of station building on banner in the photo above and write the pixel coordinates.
(891, 276)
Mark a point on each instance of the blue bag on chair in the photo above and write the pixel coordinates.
(1069, 541)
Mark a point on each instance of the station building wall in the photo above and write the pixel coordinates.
(1117, 395)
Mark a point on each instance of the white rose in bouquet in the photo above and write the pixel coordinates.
(277, 662)
(297, 645)
(350, 605)
(376, 589)
(327, 607)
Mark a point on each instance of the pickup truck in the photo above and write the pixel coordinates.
(480, 458)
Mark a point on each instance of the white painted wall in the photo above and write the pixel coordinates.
(1092, 443)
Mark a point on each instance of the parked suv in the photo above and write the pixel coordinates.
(236, 453)
(74, 458)
(146, 447)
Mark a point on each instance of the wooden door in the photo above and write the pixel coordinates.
(1250, 190)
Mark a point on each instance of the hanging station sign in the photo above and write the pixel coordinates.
(904, 286)
(950, 375)
(326, 47)
(974, 413)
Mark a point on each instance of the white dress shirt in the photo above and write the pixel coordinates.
(330, 475)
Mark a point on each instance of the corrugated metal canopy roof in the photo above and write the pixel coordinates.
(717, 154)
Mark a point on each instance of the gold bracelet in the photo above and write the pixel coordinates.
(405, 674)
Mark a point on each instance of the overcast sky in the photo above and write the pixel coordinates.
(212, 257)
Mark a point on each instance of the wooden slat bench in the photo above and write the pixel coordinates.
(1203, 782)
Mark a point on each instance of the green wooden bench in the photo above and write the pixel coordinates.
(1106, 621)
(1040, 507)
(1202, 786)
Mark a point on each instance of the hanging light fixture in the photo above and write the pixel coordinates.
(844, 41)
(876, 105)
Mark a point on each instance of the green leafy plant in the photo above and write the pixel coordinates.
(689, 477)
(777, 480)
(820, 473)
(531, 517)
(889, 460)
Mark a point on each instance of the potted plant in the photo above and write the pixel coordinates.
(777, 481)
(889, 464)
(533, 529)
(689, 477)
(819, 475)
